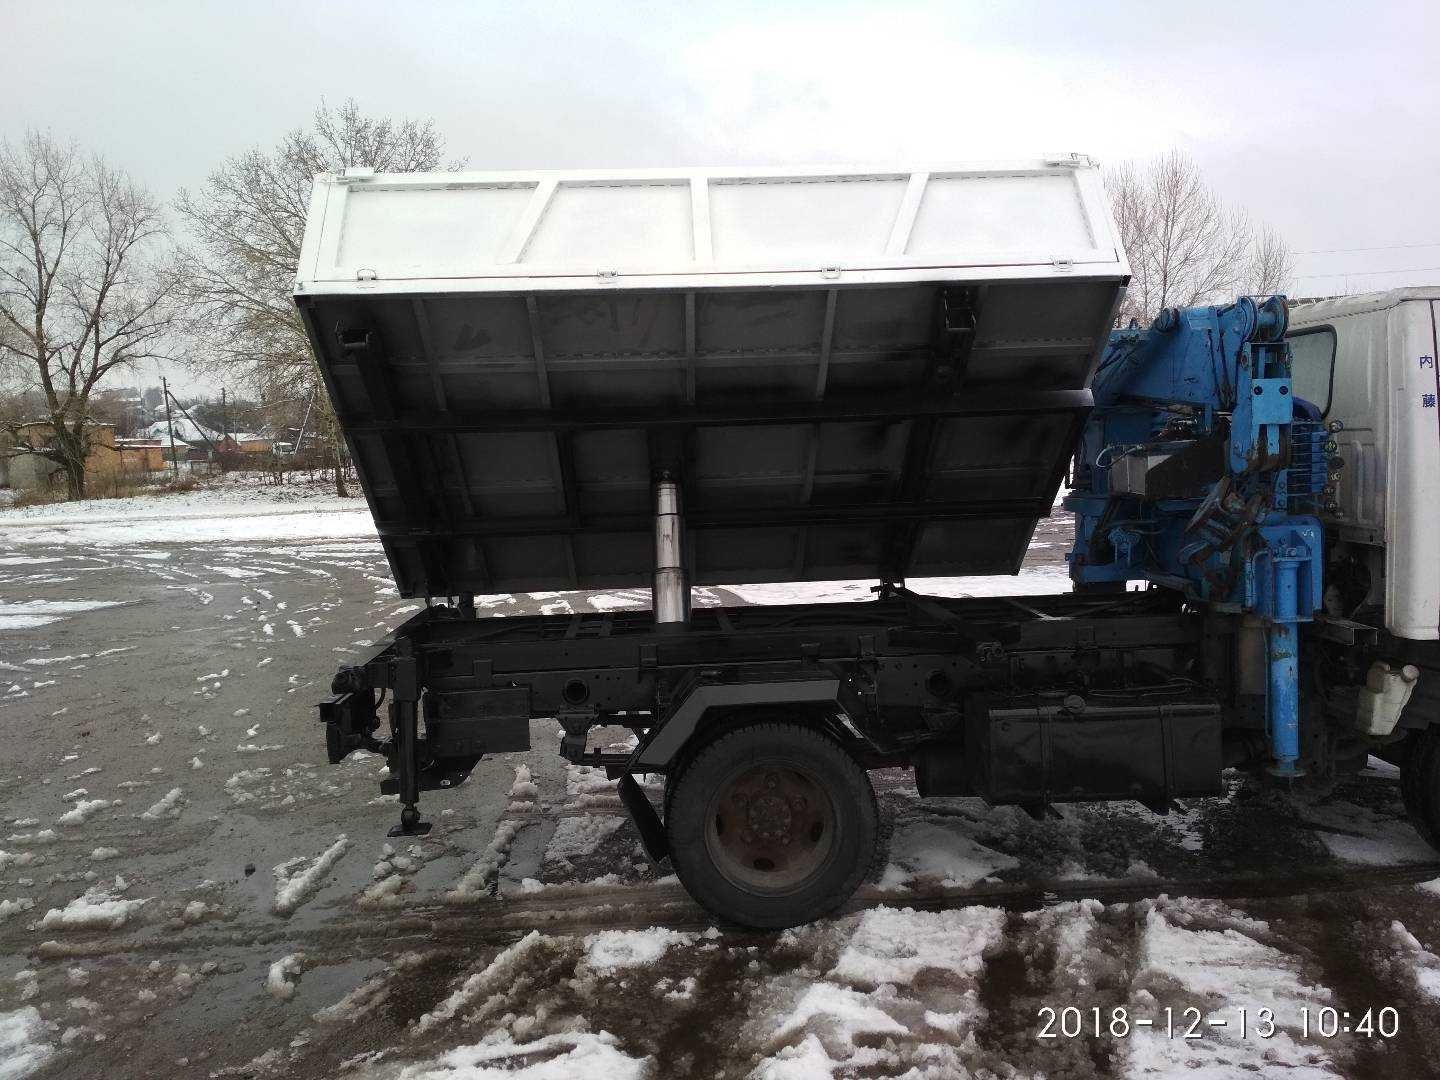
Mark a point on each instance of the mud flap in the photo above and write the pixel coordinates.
(647, 822)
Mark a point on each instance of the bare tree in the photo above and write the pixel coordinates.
(1184, 244)
(1271, 264)
(248, 222)
(86, 284)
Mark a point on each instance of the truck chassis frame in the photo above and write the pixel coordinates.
(900, 680)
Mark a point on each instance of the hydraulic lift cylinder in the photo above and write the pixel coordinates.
(670, 593)
(1284, 673)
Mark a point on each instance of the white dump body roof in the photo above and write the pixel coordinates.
(696, 228)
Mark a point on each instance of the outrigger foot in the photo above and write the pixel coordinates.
(410, 824)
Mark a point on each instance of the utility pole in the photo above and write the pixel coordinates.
(170, 427)
(224, 430)
(300, 438)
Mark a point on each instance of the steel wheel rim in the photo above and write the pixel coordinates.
(770, 828)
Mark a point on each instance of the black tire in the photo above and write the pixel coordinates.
(1420, 784)
(772, 825)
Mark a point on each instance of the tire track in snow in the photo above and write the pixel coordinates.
(1210, 963)
(1367, 968)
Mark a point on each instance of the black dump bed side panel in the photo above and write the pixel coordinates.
(508, 441)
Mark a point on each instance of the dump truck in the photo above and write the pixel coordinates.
(665, 379)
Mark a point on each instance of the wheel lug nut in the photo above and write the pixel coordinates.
(797, 802)
(772, 781)
(748, 836)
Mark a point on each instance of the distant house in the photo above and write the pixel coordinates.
(181, 450)
(28, 469)
(142, 455)
(185, 430)
(246, 443)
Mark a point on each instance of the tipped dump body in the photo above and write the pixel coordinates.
(850, 374)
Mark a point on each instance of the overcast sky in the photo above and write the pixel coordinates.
(1321, 119)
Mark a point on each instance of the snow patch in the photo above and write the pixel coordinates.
(283, 975)
(1423, 963)
(30, 614)
(1358, 834)
(1230, 970)
(837, 1015)
(612, 950)
(893, 946)
(360, 1001)
(923, 851)
(96, 909)
(1031, 581)
(83, 811)
(499, 972)
(566, 1054)
(384, 893)
(476, 881)
(523, 789)
(167, 807)
(23, 1045)
(15, 907)
(298, 879)
(575, 837)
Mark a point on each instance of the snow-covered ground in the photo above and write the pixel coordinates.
(187, 889)
(223, 509)
(238, 509)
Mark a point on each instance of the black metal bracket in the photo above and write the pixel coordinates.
(647, 822)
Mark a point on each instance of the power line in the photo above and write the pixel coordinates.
(1373, 273)
(1381, 247)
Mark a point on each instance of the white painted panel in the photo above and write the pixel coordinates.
(698, 228)
(818, 221)
(1412, 572)
(1015, 213)
(431, 227)
(593, 226)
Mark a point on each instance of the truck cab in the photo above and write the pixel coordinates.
(1368, 363)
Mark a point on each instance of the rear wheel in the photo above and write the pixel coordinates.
(771, 825)
(1420, 783)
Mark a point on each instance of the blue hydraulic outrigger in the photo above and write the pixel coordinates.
(1199, 470)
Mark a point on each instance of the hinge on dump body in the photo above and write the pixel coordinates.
(990, 652)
